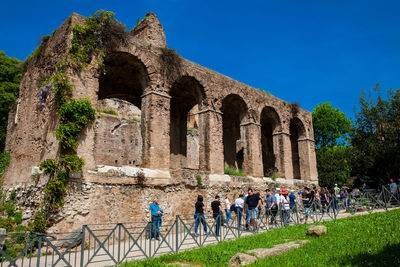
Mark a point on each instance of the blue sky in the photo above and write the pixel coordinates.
(301, 51)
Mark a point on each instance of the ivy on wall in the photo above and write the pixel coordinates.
(89, 41)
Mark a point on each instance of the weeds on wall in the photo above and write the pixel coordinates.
(37, 53)
(199, 180)
(100, 31)
(107, 111)
(170, 63)
(295, 108)
(90, 40)
(230, 170)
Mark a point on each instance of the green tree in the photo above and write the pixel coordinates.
(331, 130)
(10, 77)
(331, 126)
(376, 136)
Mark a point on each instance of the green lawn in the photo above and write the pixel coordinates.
(369, 240)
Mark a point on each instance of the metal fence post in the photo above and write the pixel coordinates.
(176, 233)
(119, 243)
(38, 252)
(83, 245)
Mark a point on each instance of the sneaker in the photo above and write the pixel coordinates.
(157, 238)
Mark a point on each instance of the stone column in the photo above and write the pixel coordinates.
(308, 167)
(253, 164)
(283, 154)
(211, 149)
(155, 123)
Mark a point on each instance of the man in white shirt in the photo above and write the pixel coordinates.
(239, 204)
(278, 196)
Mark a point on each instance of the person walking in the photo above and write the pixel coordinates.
(307, 200)
(239, 204)
(253, 201)
(271, 209)
(285, 208)
(199, 217)
(155, 219)
(217, 211)
(227, 207)
(292, 200)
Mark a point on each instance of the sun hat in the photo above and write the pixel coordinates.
(284, 191)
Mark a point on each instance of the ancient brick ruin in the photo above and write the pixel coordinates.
(172, 131)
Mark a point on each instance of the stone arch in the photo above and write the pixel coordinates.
(125, 78)
(118, 133)
(297, 132)
(187, 96)
(270, 126)
(234, 110)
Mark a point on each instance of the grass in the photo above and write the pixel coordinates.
(233, 171)
(107, 111)
(368, 240)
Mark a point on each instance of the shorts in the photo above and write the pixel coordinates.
(307, 211)
(253, 213)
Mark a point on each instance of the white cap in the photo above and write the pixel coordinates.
(278, 189)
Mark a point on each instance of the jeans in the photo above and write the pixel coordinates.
(247, 217)
(286, 217)
(218, 224)
(228, 215)
(155, 226)
(199, 218)
(239, 213)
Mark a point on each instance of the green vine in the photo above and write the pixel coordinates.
(89, 40)
(93, 38)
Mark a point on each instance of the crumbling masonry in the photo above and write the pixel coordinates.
(172, 131)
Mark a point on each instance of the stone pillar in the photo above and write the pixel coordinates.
(155, 123)
(253, 164)
(308, 167)
(283, 154)
(211, 148)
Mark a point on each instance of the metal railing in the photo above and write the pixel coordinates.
(113, 244)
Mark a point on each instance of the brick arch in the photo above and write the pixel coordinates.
(270, 122)
(299, 153)
(235, 113)
(187, 96)
(125, 78)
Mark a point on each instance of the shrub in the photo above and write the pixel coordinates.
(49, 167)
(18, 217)
(74, 117)
(170, 63)
(10, 209)
(39, 223)
(199, 180)
(230, 170)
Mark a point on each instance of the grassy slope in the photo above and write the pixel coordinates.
(370, 240)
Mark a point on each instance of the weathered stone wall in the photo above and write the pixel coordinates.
(171, 129)
(108, 199)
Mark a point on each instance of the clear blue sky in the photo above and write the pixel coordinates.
(301, 51)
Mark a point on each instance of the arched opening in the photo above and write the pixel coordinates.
(118, 136)
(186, 98)
(234, 110)
(125, 77)
(270, 124)
(297, 131)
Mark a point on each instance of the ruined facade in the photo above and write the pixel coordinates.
(171, 130)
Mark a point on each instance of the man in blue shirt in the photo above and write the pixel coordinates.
(292, 199)
(155, 219)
